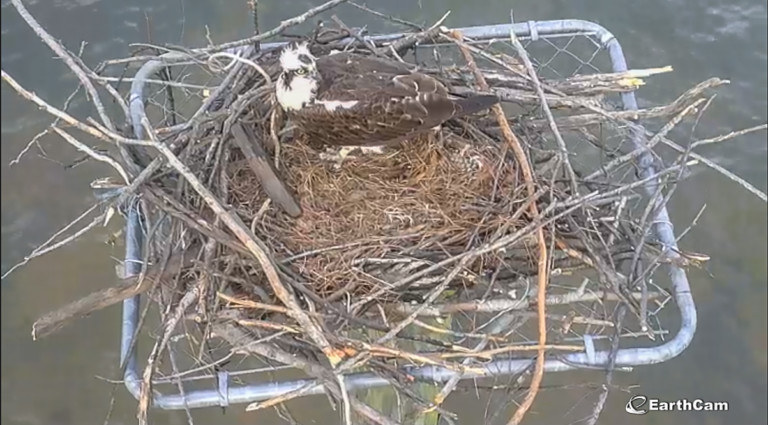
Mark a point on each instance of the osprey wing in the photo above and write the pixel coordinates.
(350, 114)
(368, 101)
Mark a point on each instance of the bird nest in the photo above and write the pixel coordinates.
(435, 252)
(380, 213)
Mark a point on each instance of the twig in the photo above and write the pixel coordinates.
(648, 146)
(38, 136)
(154, 81)
(387, 17)
(693, 224)
(545, 106)
(67, 58)
(78, 71)
(542, 261)
(47, 247)
(720, 169)
(653, 207)
(252, 304)
(428, 300)
(488, 354)
(236, 337)
(441, 330)
(357, 35)
(628, 117)
(712, 82)
(235, 58)
(622, 309)
(105, 134)
(93, 154)
(256, 30)
(169, 324)
(180, 386)
(126, 288)
(589, 85)
(255, 247)
(400, 46)
(497, 305)
(383, 351)
(274, 31)
(728, 136)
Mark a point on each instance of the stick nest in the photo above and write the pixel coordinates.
(407, 257)
(429, 253)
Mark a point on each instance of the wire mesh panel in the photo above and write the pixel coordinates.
(580, 313)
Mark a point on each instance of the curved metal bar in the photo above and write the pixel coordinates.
(262, 391)
(133, 259)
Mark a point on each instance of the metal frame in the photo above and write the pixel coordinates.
(626, 357)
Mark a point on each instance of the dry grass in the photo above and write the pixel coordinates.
(437, 195)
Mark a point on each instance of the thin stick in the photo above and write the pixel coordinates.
(497, 305)
(38, 136)
(490, 353)
(669, 126)
(728, 136)
(387, 17)
(69, 119)
(252, 304)
(254, 245)
(592, 420)
(711, 164)
(525, 167)
(545, 106)
(256, 30)
(93, 154)
(235, 58)
(710, 83)
(67, 58)
(274, 31)
(80, 73)
(153, 81)
(46, 247)
(429, 299)
(235, 336)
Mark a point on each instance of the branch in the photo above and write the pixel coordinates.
(542, 263)
(78, 71)
(498, 305)
(255, 246)
(126, 288)
(93, 154)
(274, 31)
(101, 134)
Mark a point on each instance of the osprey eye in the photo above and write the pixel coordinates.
(301, 71)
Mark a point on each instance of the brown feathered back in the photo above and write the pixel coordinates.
(393, 103)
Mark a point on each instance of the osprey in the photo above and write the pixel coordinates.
(349, 100)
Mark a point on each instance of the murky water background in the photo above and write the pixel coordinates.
(55, 381)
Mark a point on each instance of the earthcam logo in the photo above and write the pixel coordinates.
(640, 405)
(636, 405)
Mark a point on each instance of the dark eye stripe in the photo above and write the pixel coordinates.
(306, 60)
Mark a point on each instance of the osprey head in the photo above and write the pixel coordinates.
(297, 84)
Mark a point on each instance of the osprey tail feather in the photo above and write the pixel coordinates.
(473, 104)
